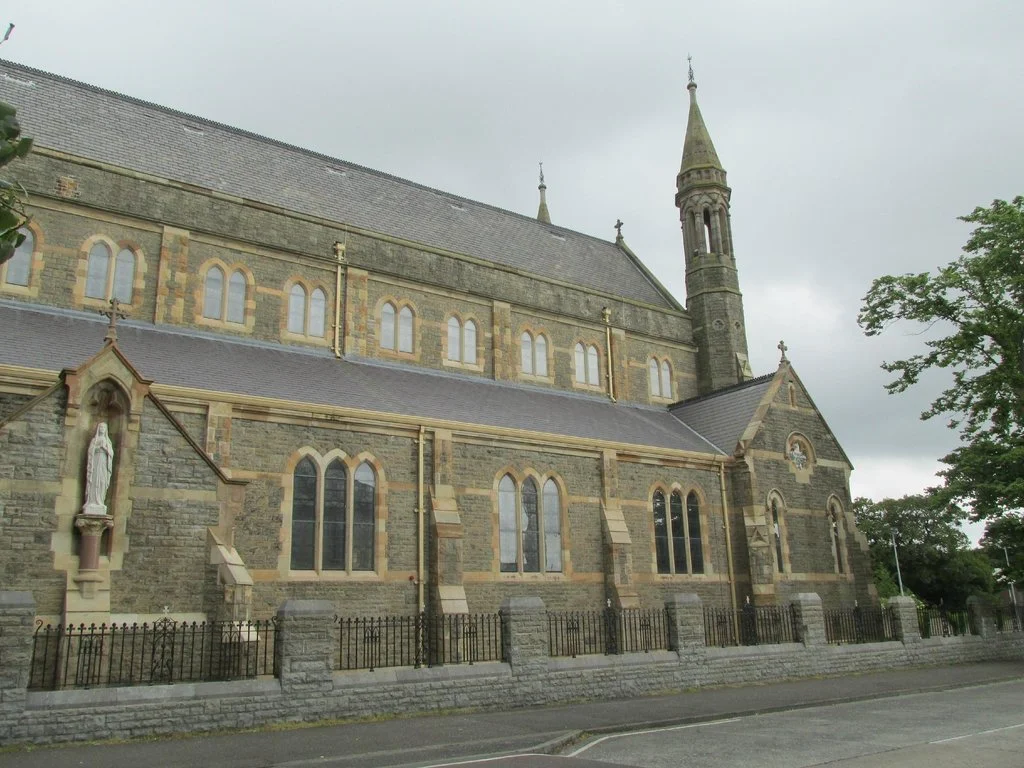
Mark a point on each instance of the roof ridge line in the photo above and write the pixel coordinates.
(735, 387)
(286, 145)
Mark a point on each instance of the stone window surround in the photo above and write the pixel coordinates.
(249, 306)
(34, 269)
(399, 305)
(785, 567)
(477, 363)
(802, 475)
(589, 345)
(684, 491)
(839, 552)
(661, 396)
(115, 247)
(351, 463)
(518, 478)
(308, 287)
(535, 332)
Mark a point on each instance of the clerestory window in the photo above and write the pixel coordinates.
(587, 365)
(220, 304)
(18, 268)
(461, 341)
(306, 315)
(396, 331)
(533, 354)
(108, 277)
(659, 373)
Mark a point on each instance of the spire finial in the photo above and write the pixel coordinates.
(618, 229)
(782, 348)
(542, 210)
(689, 60)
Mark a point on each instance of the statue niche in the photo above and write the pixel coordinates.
(106, 407)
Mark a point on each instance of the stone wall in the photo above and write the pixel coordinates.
(308, 691)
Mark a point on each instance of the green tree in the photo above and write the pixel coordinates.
(935, 561)
(1006, 531)
(12, 194)
(979, 300)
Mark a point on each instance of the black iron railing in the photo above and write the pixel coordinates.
(750, 625)
(166, 651)
(859, 625)
(938, 622)
(631, 630)
(422, 640)
(1009, 618)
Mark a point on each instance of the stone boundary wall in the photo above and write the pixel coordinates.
(308, 690)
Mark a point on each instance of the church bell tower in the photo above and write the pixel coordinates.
(713, 296)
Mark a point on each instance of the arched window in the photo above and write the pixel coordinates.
(344, 514)
(405, 330)
(304, 506)
(19, 267)
(236, 298)
(775, 511)
(461, 341)
(217, 305)
(708, 240)
(693, 533)
(526, 352)
(659, 373)
(678, 545)
(522, 510)
(652, 375)
(533, 354)
(552, 527)
(109, 278)
(213, 293)
(297, 309)
(387, 326)
(666, 379)
(540, 355)
(315, 325)
(835, 516)
(661, 533)
(587, 365)
(306, 318)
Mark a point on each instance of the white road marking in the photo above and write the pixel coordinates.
(979, 733)
(595, 742)
(479, 760)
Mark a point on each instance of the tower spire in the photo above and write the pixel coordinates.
(713, 293)
(542, 211)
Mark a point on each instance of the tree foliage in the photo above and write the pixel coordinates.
(1006, 531)
(979, 298)
(935, 561)
(12, 194)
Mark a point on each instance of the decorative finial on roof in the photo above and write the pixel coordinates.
(689, 61)
(618, 230)
(782, 348)
(113, 314)
(542, 212)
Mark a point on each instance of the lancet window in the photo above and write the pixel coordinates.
(396, 328)
(461, 341)
(678, 544)
(587, 365)
(533, 354)
(529, 526)
(108, 277)
(659, 373)
(220, 304)
(18, 268)
(306, 313)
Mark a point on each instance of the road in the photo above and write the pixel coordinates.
(981, 727)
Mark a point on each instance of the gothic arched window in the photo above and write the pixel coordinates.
(835, 517)
(522, 511)
(306, 317)
(587, 365)
(659, 374)
(693, 533)
(533, 354)
(461, 341)
(396, 328)
(776, 513)
(333, 520)
(109, 278)
(18, 268)
(219, 304)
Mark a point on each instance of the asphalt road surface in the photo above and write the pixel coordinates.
(980, 727)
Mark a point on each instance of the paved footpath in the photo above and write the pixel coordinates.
(441, 738)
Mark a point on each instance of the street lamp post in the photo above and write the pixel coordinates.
(896, 554)
(1013, 591)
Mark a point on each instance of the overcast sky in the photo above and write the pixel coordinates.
(853, 134)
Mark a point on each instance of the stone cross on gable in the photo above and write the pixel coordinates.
(782, 348)
(618, 229)
(113, 314)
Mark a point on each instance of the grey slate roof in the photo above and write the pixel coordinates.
(90, 122)
(53, 339)
(723, 416)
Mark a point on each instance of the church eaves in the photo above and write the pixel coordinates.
(88, 122)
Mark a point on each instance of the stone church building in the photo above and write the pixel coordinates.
(319, 380)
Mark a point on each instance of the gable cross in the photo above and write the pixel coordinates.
(618, 229)
(114, 313)
(782, 348)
